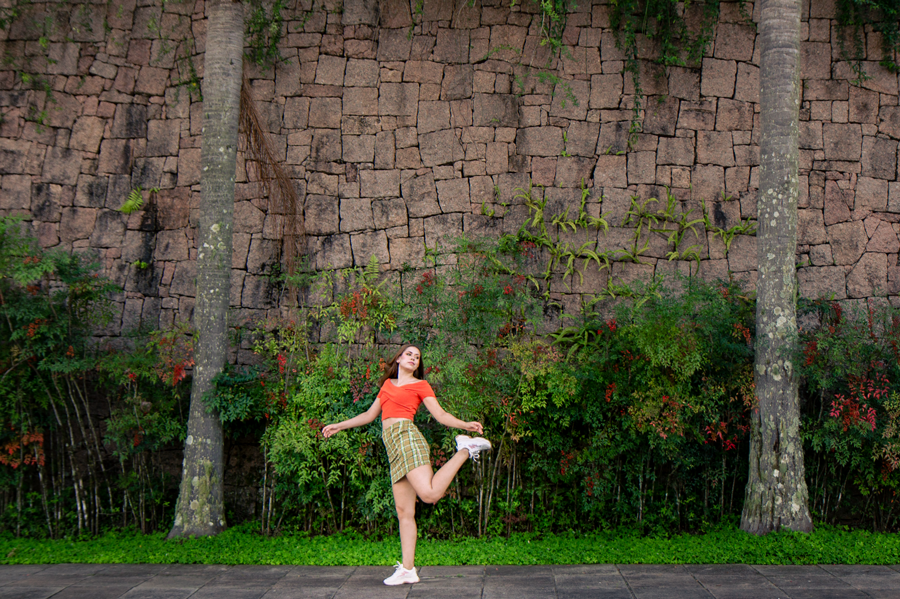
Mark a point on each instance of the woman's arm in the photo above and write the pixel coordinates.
(364, 418)
(448, 419)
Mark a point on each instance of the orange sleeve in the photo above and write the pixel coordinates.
(425, 390)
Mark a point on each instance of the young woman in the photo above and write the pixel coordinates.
(403, 389)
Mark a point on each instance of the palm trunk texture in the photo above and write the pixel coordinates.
(777, 496)
(200, 509)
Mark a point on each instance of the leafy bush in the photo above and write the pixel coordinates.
(850, 361)
(50, 303)
(148, 393)
(637, 419)
(633, 413)
(75, 460)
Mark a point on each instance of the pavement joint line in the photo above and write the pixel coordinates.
(346, 578)
(631, 581)
(625, 580)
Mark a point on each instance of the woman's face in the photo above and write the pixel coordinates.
(409, 359)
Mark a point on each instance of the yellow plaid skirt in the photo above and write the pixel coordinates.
(406, 448)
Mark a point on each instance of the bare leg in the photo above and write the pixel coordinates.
(431, 486)
(405, 501)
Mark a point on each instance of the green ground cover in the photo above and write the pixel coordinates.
(726, 544)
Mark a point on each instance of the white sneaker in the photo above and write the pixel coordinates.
(401, 576)
(476, 445)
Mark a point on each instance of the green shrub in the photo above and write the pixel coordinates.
(850, 361)
(638, 419)
(65, 465)
(633, 413)
(50, 304)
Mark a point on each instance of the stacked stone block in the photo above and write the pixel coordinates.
(403, 129)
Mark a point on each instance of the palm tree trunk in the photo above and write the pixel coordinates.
(777, 496)
(200, 507)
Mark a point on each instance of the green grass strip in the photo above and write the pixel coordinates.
(827, 545)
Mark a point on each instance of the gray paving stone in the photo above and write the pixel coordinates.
(319, 572)
(720, 569)
(369, 573)
(230, 592)
(594, 594)
(23, 570)
(732, 581)
(577, 579)
(466, 586)
(722, 586)
(672, 580)
(867, 584)
(505, 587)
(462, 583)
(719, 583)
(82, 592)
(196, 569)
(751, 591)
(634, 569)
(417, 590)
(882, 593)
(832, 594)
(310, 593)
(671, 593)
(808, 581)
(371, 588)
(451, 572)
(158, 594)
(72, 569)
(18, 592)
(143, 570)
(726, 580)
(518, 592)
(176, 581)
(443, 594)
(113, 581)
(845, 570)
(867, 578)
(309, 581)
(266, 574)
(519, 571)
(599, 569)
(46, 580)
(646, 584)
(788, 570)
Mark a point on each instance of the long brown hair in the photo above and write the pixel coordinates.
(391, 368)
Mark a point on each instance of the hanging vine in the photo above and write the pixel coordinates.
(681, 32)
(554, 14)
(884, 17)
(264, 32)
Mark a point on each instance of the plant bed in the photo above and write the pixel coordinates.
(241, 545)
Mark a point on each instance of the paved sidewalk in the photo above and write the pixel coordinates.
(149, 581)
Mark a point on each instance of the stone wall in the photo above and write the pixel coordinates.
(404, 128)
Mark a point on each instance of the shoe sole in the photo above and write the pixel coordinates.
(397, 584)
(480, 448)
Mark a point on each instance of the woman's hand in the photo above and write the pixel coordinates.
(474, 427)
(331, 429)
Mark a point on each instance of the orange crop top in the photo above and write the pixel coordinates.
(403, 401)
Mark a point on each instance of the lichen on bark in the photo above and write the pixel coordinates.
(776, 495)
(200, 509)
